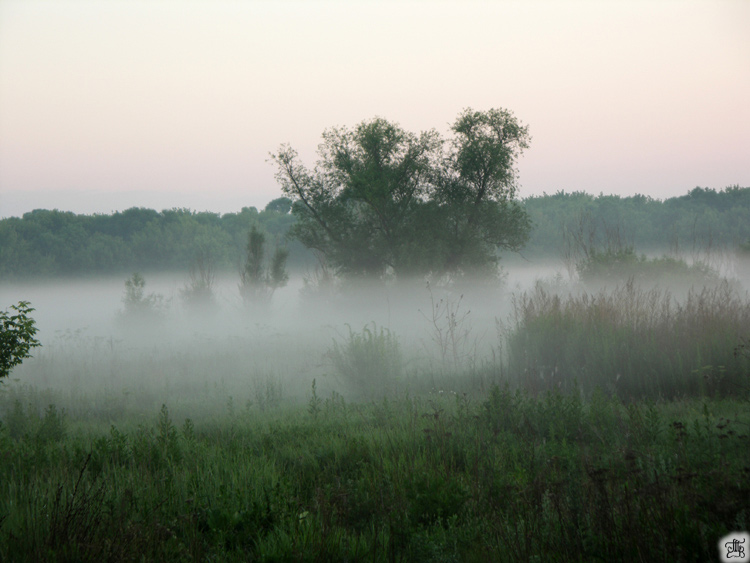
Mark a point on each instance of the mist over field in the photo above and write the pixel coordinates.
(94, 351)
(352, 418)
(83, 322)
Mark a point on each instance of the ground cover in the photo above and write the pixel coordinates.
(432, 477)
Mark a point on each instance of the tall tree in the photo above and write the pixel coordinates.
(354, 206)
(381, 198)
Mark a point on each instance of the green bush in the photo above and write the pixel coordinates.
(368, 361)
(16, 336)
(617, 266)
(141, 309)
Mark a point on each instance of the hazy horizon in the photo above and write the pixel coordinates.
(105, 106)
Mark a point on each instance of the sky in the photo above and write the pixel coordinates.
(106, 105)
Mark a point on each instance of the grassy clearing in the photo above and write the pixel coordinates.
(434, 478)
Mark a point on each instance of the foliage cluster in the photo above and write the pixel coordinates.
(382, 200)
(369, 361)
(54, 243)
(426, 478)
(701, 221)
(610, 268)
(601, 254)
(17, 330)
(198, 293)
(259, 280)
(631, 341)
(139, 308)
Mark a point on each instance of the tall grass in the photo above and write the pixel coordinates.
(632, 341)
(431, 478)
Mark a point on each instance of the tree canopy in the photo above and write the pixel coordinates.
(381, 199)
(56, 243)
(52, 242)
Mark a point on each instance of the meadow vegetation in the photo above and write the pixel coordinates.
(434, 477)
(592, 422)
(633, 342)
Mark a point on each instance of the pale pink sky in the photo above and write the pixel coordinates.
(106, 105)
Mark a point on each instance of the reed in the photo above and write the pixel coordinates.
(631, 341)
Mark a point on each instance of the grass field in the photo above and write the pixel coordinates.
(552, 448)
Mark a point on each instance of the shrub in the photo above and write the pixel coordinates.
(368, 360)
(258, 281)
(613, 267)
(16, 336)
(139, 307)
(198, 294)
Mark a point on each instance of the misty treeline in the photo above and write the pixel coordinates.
(52, 243)
(702, 220)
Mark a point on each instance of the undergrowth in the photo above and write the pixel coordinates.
(439, 477)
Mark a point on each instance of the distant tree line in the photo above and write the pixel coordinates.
(54, 243)
(704, 219)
